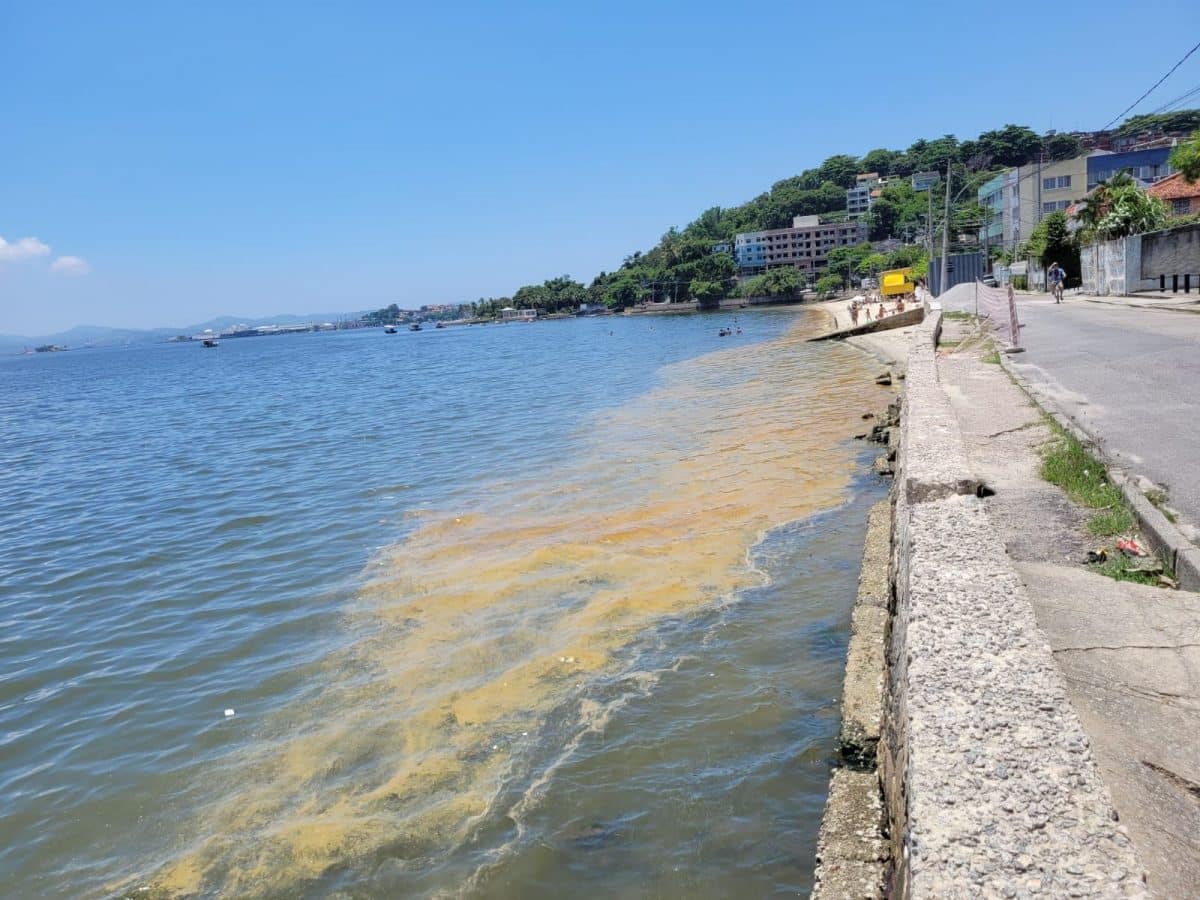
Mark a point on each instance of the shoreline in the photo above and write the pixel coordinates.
(889, 347)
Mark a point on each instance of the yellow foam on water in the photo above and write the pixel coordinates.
(484, 620)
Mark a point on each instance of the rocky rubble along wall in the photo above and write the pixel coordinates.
(852, 853)
(988, 781)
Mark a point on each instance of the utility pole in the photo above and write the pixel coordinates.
(946, 236)
(929, 225)
(1037, 213)
(987, 227)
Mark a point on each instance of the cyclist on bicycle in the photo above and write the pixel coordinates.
(1056, 276)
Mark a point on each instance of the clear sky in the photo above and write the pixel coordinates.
(162, 162)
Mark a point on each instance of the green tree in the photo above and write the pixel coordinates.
(872, 264)
(969, 216)
(844, 261)
(840, 170)
(707, 291)
(1186, 158)
(1179, 120)
(926, 155)
(1119, 207)
(713, 225)
(782, 282)
(1052, 242)
(828, 285)
(1061, 146)
(1050, 239)
(898, 208)
(880, 161)
(1012, 145)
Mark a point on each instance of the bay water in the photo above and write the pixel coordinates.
(503, 611)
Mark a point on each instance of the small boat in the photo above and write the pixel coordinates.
(440, 325)
(389, 329)
(415, 326)
(210, 342)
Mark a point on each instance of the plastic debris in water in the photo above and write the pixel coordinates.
(229, 713)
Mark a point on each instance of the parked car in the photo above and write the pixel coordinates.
(990, 281)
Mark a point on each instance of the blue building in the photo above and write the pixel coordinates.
(750, 251)
(991, 197)
(1001, 198)
(1147, 166)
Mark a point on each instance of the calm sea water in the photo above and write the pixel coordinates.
(507, 611)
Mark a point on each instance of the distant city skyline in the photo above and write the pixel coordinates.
(166, 164)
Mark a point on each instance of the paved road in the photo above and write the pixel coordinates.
(1131, 377)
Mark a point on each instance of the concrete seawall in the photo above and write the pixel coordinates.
(912, 316)
(983, 783)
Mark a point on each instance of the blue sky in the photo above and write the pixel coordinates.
(177, 161)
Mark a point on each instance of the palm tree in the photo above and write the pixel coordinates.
(1119, 207)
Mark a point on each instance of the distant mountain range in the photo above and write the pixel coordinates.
(103, 336)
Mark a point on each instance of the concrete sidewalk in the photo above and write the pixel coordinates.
(1128, 654)
(1128, 377)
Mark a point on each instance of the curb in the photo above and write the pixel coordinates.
(1178, 554)
(1139, 306)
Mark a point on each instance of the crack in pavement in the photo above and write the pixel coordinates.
(1184, 784)
(1025, 427)
(1127, 647)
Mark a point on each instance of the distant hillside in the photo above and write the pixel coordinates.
(684, 265)
(104, 336)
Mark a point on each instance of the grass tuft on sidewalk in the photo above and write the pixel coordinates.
(1121, 568)
(1068, 465)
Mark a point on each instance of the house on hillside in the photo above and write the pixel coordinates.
(861, 197)
(1182, 199)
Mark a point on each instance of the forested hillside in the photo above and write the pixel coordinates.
(683, 265)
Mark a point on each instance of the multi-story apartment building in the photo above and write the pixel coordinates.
(1001, 197)
(861, 197)
(804, 247)
(1046, 187)
(1147, 166)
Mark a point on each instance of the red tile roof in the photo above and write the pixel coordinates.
(1173, 187)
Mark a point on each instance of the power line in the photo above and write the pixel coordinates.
(1182, 98)
(1152, 87)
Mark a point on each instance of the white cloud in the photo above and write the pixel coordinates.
(70, 265)
(23, 248)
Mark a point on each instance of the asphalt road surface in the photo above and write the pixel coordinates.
(1131, 377)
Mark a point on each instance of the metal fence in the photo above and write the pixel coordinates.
(961, 268)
